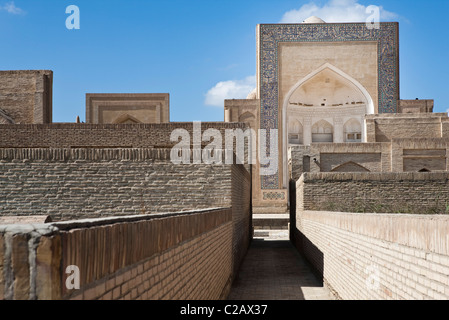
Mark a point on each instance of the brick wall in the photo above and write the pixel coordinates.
(85, 183)
(171, 256)
(385, 127)
(334, 161)
(241, 213)
(66, 135)
(375, 192)
(416, 154)
(372, 256)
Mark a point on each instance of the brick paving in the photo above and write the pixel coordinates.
(274, 270)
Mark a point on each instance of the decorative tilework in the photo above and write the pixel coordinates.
(274, 195)
(271, 35)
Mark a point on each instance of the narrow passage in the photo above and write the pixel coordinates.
(274, 270)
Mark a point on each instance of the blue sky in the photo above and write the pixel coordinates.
(198, 51)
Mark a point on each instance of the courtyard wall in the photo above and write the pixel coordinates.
(186, 256)
(374, 255)
(385, 192)
(71, 184)
(72, 135)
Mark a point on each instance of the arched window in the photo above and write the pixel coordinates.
(322, 131)
(295, 132)
(353, 131)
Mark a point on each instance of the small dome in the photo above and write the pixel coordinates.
(314, 19)
(252, 95)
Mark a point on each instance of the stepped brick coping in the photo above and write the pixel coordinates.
(24, 219)
(40, 229)
(92, 154)
(374, 176)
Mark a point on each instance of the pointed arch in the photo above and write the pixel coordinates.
(322, 126)
(345, 76)
(350, 166)
(126, 119)
(352, 130)
(295, 132)
(322, 131)
(357, 85)
(424, 170)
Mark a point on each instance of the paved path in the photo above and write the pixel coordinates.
(274, 270)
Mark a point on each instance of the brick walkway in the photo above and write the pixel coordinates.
(274, 270)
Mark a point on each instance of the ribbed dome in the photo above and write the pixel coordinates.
(314, 19)
(252, 95)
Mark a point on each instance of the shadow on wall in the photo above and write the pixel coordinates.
(305, 247)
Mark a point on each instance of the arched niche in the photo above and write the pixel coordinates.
(295, 132)
(322, 131)
(248, 118)
(328, 86)
(352, 131)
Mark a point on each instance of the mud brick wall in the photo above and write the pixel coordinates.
(373, 256)
(241, 213)
(70, 135)
(386, 127)
(417, 193)
(88, 183)
(156, 257)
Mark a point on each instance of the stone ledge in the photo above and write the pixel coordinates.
(373, 176)
(89, 223)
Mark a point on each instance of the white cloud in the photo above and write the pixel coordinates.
(335, 11)
(233, 89)
(10, 7)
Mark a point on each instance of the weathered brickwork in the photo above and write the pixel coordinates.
(26, 95)
(241, 213)
(195, 270)
(66, 135)
(162, 257)
(372, 256)
(335, 162)
(86, 183)
(375, 192)
(386, 127)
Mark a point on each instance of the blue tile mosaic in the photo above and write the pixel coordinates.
(273, 34)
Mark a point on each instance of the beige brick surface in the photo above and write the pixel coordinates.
(348, 247)
(48, 258)
(20, 267)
